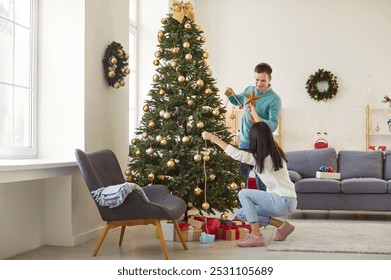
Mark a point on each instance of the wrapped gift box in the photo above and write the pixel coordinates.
(241, 223)
(231, 232)
(192, 234)
(328, 175)
(168, 231)
(195, 221)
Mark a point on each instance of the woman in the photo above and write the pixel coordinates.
(269, 161)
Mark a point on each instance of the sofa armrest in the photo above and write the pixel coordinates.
(294, 176)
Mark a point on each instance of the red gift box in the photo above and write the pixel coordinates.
(241, 223)
(230, 232)
(211, 225)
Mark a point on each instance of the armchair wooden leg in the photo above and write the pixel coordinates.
(178, 230)
(162, 242)
(121, 237)
(101, 238)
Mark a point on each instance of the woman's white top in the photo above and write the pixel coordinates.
(276, 181)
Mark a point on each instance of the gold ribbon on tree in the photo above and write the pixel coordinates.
(182, 10)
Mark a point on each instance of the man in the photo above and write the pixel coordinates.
(264, 101)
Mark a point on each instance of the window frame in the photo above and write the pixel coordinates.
(31, 151)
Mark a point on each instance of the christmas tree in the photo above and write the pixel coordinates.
(183, 103)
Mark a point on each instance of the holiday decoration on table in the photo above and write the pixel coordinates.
(182, 103)
(322, 76)
(115, 64)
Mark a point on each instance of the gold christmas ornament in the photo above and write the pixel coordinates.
(162, 92)
(150, 151)
(203, 39)
(158, 54)
(156, 62)
(111, 74)
(200, 125)
(120, 53)
(174, 63)
(197, 191)
(130, 178)
(145, 108)
(163, 20)
(197, 28)
(208, 91)
(161, 113)
(197, 158)
(233, 186)
(127, 71)
(137, 153)
(187, 25)
(188, 56)
(209, 72)
(116, 85)
(206, 158)
(186, 45)
(113, 60)
(156, 77)
(121, 83)
(190, 102)
(126, 56)
(128, 172)
(200, 83)
(205, 55)
(185, 139)
(171, 163)
(145, 135)
(224, 217)
(159, 138)
(162, 177)
(205, 206)
(151, 124)
(151, 177)
(216, 112)
(242, 185)
(181, 79)
(175, 50)
(134, 141)
(160, 34)
(212, 177)
(166, 115)
(163, 142)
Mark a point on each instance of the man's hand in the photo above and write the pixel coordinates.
(254, 117)
(207, 135)
(228, 92)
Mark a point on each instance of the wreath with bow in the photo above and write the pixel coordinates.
(115, 64)
(322, 76)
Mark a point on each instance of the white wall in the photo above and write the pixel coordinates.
(350, 38)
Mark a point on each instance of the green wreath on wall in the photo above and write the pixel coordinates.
(115, 64)
(322, 76)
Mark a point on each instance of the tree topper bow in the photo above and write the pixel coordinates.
(182, 10)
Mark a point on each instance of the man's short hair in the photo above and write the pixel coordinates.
(263, 68)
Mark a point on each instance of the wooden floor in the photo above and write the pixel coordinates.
(140, 244)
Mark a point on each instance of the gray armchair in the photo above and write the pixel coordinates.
(101, 169)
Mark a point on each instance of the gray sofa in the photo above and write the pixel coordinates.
(365, 180)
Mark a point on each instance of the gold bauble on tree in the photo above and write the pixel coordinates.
(137, 153)
(197, 28)
(186, 45)
(171, 163)
(206, 157)
(181, 79)
(156, 62)
(212, 177)
(151, 124)
(233, 186)
(151, 177)
(145, 108)
(175, 50)
(242, 185)
(127, 71)
(128, 172)
(166, 115)
(197, 158)
(205, 206)
(161, 113)
(190, 102)
(163, 20)
(197, 191)
(150, 151)
(174, 63)
(158, 54)
(224, 216)
(200, 125)
(200, 83)
(188, 56)
(134, 141)
(162, 92)
(156, 77)
(121, 83)
(116, 85)
(187, 25)
(216, 112)
(203, 39)
(120, 53)
(130, 178)
(159, 138)
(185, 139)
(205, 55)
(163, 142)
(145, 134)
(208, 91)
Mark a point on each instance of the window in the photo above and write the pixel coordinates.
(132, 66)
(17, 78)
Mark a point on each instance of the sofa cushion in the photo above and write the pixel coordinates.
(315, 185)
(363, 185)
(387, 165)
(307, 162)
(294, 176)
(360, 164)
(389, 186)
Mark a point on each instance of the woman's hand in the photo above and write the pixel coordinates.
(207, 135)
(254, 117)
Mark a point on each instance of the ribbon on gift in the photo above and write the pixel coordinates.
(227, 228)
(241, 223)
(182, 10)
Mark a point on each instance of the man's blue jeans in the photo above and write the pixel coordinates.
(245, 170)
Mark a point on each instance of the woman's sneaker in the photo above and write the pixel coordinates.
(251, 241)
(283, 231)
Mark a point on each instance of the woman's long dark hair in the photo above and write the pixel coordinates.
(262, 144)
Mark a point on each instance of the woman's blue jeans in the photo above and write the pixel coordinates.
(259, 206)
